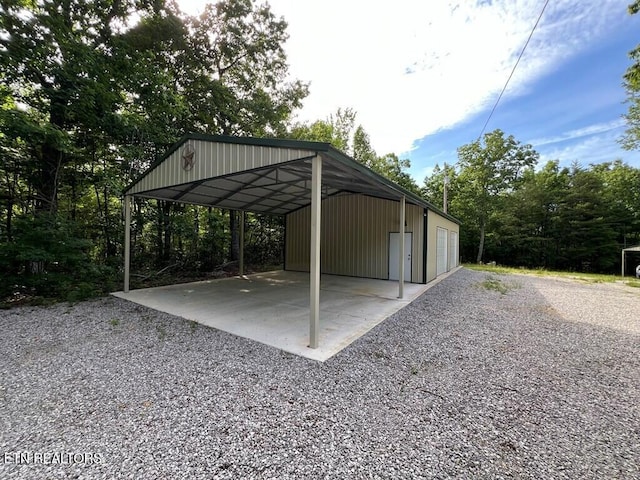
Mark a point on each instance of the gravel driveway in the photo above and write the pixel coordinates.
(542, 381)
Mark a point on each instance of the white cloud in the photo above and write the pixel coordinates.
(579, 133)
(413, 67)
(597, 148)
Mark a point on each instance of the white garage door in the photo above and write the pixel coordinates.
(441, 251)
(453, 249)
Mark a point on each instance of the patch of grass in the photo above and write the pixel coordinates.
(495, 284)
(162, 332)
(492, 283)
(541, 272)
(193, 325)
(497, 269)
(633, 283)
(114, 322)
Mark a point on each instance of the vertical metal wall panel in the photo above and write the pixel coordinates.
(355, 236)
(415, 224)
(442, 242)
(453, 250)
(297, 246)
(213, 159)
(434, 220)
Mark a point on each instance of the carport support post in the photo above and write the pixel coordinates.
(314, 270)
(127, 241)
(401, 249)
(241, 250)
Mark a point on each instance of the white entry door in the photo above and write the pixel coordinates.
(394, 254)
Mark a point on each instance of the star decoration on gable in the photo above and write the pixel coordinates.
(188, 157)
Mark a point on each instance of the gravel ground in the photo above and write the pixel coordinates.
(541, 381)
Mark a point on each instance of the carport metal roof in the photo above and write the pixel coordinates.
(261, 175)
(271, 176)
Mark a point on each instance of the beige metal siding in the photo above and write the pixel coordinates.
(453, 249)
(442, 241)
(434, 221)
(355, 236)
(214, 159)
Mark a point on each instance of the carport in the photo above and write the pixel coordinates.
(635, 249)
(271, 176)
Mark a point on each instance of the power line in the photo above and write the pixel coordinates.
(514, 69)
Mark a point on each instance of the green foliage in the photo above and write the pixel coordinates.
(91, 94)
(49, 258)
(339, 131)
(574, 219)
(631, 82)
(336, 130)
(489, 169)
(264, 240)
(539, 272)
(495, 284)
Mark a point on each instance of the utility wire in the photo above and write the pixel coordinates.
(513, 70)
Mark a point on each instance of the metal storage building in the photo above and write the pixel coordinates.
(341, 217)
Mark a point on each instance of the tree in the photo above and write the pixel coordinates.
(585, 229)
(389, 165)
(237, 75)
(621, 194)
(434, 185)
(236, 82)
(489, 169)
(363, 152)
(631, 82)
(528, 222)
(93, 92)
(336, 130)
(62, 62)
(394, 168)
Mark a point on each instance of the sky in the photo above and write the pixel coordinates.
(423, 76)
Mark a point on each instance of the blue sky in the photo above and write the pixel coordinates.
(424, 75)
(572, 113)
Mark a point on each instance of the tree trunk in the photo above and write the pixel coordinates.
(196, 229)
(235, 235)
(46, 183)
(166, 218)
(481, 245)
(159, 225)
(10, 204)
(51, 157)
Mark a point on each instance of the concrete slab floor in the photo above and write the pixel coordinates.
(273, 307)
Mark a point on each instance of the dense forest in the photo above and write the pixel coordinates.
(517, 212)
(93, 92)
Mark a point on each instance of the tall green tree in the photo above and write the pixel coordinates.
(236, 83)
(490, 168)
(528, 223)
(434, 185)
(61, 60)
(631, 82)
(93, 92)
(237, 77)
(588, 236)
(389, 165)
(621, 195)
(336, 130)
